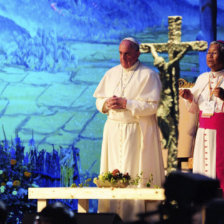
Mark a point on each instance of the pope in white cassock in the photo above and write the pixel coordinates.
(129, 94)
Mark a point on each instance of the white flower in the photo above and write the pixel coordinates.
(14, 192)
(2, 189)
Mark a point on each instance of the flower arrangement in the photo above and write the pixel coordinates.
(118, 179)
(112, 179)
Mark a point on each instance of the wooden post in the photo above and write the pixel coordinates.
(83, 205)
(41, 203)
(208, 23)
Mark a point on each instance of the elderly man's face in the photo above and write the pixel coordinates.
(214, 59)
(128, 55)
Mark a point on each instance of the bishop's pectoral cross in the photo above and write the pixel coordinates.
(168, 112)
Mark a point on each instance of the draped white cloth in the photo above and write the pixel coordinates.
(131, 141)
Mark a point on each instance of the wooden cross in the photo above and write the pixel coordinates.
(169, 75)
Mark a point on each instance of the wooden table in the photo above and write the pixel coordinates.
(83, 195)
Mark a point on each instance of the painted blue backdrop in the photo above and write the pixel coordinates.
(53, 54)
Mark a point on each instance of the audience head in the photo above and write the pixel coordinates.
(56, 213)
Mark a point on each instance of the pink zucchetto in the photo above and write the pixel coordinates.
(220, 41)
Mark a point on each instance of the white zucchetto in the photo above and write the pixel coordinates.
(131, 39)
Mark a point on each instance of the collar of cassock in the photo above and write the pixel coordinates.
(132, 68)
(218, 73)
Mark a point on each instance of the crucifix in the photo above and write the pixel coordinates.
(168, 111)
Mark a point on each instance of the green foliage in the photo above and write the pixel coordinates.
(85, 184)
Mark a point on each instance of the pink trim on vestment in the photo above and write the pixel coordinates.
(216, 122)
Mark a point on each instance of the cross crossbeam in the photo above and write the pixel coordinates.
(164, 47)
(174, 43)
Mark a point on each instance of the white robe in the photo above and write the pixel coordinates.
(131, 140)
(204, 161)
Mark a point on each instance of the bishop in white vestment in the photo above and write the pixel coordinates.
(207, 99)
